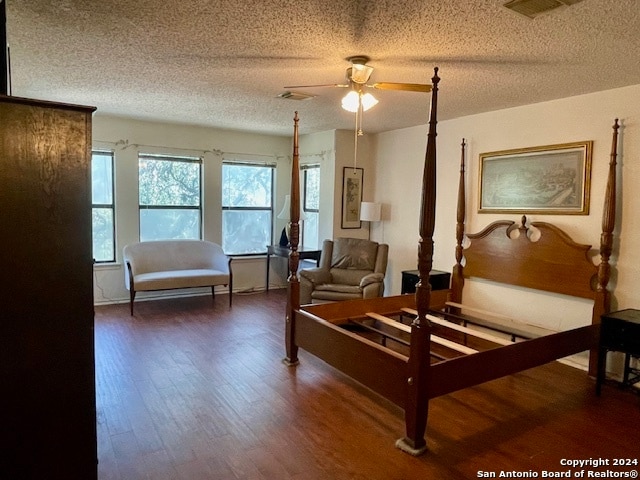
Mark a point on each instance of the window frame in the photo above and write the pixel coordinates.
(305, 170)
(173, 158)
(111, 206)
(271, 209)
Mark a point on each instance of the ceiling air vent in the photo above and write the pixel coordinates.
(295, 95)
(533, 8)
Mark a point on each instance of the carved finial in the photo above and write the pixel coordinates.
(435, 79)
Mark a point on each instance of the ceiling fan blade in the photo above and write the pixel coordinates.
(409, 87)
(314, 86)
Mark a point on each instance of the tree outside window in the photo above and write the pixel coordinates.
(311, 205)
(170, 197)
(102, 215)
(247, 207)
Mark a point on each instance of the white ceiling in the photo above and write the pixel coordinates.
(222, 63)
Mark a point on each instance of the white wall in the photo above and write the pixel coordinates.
(399, 159)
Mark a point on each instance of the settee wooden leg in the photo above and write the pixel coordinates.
(132, 296)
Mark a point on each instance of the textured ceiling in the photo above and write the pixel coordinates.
(222, 63)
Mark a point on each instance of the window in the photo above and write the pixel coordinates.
(247, 207)
(170, 197)
(103, 224)
(311, 205)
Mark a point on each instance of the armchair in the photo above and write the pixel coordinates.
(350, 268)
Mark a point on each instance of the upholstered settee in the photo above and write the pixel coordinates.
(170, 264)
(350, 268)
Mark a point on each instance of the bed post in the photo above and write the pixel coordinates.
(457, 280)
(602, 296)
(417, 403)
(293, 283)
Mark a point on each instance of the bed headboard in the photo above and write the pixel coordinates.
(540, 255)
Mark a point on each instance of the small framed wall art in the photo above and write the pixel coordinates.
(351, 196)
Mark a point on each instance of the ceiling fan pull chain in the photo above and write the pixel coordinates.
(361, 115)
(355, 142)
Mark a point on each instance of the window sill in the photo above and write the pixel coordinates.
(107, 266)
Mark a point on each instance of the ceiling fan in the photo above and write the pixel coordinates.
(357, 100)
(357, 76)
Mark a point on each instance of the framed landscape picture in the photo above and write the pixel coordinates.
(351, 197)
(550, 179)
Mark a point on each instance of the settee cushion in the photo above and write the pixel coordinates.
(169, 279)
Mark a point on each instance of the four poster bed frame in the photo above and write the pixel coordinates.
(554, 263)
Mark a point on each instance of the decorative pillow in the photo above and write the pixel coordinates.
(354, 253)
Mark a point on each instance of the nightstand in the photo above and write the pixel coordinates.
(438, 279)
(619, 332)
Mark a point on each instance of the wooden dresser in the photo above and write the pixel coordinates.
(47, 353)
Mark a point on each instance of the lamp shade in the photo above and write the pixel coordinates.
(370, 211)
(368, 101)
(286, 209)
(285, 213)
(351, 101)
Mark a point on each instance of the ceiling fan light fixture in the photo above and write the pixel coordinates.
(360, 73)
(351, 101)
(368, 101)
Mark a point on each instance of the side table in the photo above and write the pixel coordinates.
(278, 251)
(438, 279)
(619, 332)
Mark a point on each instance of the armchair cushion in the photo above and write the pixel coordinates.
(347, 276)
(316, 276)
(354, 253)
(371, 278)
(333, 287)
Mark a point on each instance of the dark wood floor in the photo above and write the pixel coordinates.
(190, 390)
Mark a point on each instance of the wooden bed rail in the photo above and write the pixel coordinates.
(461, 329)
(434, 339)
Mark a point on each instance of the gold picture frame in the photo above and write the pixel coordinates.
(549, 179)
